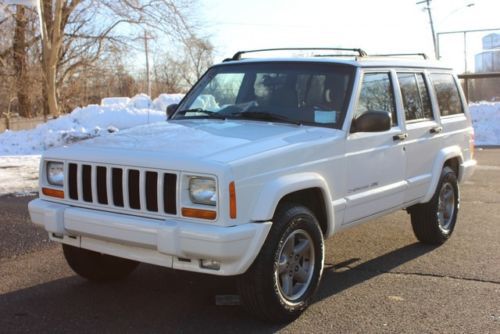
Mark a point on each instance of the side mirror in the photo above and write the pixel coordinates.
(372, 121)
(171, 109)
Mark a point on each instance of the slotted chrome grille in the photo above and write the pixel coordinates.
(123, 187)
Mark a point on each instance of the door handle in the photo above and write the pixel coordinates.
(436, 129)
(401, 136)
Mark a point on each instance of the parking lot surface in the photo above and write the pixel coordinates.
(377, 279)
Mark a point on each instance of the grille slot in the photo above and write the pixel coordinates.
(169, 193)
(73, 181)
(87, 183)
(152, 191)
(102, 191)
(145, 190)
(117, 175)
(133, 189)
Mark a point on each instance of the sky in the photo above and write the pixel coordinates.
(381, 26)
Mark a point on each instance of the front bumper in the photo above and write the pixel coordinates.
(170, 243)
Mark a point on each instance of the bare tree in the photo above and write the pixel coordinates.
(168, 74)
(199, 57)
(178, 72)
(20, 56)
(75, 39)
(70, 63)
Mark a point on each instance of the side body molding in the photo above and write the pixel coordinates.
(274, 191)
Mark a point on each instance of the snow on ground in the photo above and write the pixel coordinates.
(19, 174)
(486, 122)
(20, 150)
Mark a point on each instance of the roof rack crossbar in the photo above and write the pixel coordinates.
(237, 55)
(423, 55)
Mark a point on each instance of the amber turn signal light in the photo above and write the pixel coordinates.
(232, 200)
(53, 192)
(198, 213)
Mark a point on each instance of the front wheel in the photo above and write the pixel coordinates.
(433, 222)
(280, 284)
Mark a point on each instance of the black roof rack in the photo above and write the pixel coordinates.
(423, 55)
(237, 55)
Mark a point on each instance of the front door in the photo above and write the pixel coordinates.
(376, 162)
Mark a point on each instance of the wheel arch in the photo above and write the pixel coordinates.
(308, 189)
(449, 156)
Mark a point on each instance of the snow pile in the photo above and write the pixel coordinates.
(82, 123)
(141, 101)
(164, 100)
(486, 122)
(107, 101)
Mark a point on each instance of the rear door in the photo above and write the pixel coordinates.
(424, 133)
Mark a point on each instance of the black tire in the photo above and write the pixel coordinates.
(96, 266)
(263, 289)
(430, 222)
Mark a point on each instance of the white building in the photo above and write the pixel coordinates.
(489, 59)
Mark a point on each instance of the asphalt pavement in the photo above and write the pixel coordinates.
(378, 279)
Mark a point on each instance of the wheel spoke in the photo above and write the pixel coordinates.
(288, 248)
(282, 266)
(302, 247)
(447, 196)
(287, 284)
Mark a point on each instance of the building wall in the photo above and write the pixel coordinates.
(491, 41)
(488, 61)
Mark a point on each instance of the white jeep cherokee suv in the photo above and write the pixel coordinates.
(261, 162)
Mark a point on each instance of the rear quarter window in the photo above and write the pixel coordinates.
(447, 94)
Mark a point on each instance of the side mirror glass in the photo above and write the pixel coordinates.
(171, 109)
(372, 121)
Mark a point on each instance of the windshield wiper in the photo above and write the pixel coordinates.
(208, 113)
(267, 116)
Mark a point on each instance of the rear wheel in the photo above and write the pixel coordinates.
(96, 266)
(433, 222)
(280, 284)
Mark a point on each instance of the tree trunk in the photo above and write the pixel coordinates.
(20, 64)
(51, 45)
(50, 78)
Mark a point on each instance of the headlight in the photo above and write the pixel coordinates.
(202, 191)
(55, 173)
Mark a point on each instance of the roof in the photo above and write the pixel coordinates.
(367, 61)
(346, 56)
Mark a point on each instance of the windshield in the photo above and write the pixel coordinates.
(298, 93)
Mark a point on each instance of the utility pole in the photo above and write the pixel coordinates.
(147, 61)
(429, 11)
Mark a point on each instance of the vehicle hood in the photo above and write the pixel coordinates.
(211, 140)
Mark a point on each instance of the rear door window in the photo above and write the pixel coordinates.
(415, 96)
(447, 94)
